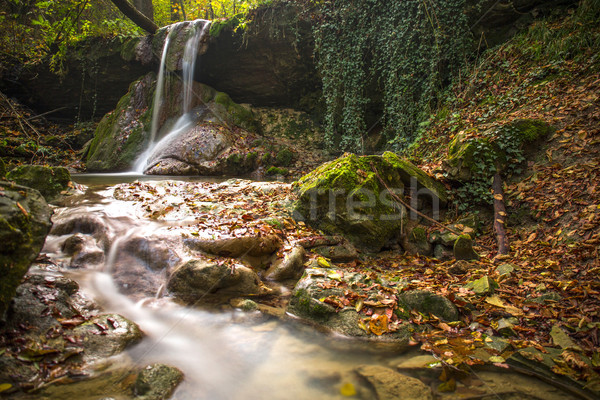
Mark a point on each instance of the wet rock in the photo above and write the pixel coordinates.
(83, 250)
(255, 246)
(463, 248)
(49, 181)
(430, 303)
(157, 382)
(24, 224)
(346, 197)
(197, 279)
(290, 267)
(106, 335)
(418, 362)
(415, 242)
(154, 253)
(391, 385)
(85, 225)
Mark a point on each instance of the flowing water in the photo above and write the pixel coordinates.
(227, 354)
(190, 55)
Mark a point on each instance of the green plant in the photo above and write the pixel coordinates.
(404, 49)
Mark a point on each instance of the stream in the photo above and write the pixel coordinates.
(226, 353)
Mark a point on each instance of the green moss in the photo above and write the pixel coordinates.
(304, 305)
(217, 26)
(272, 171)
(284, 158)
(49, 181)
(128, 48)
(266, 159)
(530, 130)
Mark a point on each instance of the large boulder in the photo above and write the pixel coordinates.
(24, 224)
(157, 382)
(203, 279)
(346, 196)
(49, 181)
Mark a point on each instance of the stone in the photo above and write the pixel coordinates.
(429, 303)
(497, 343)
(391, 385)
(24, 224)
(506, 327)
(197, 279)
(545, 298)
(562, 340)
(482, 286)
(346, 197)
(505, 270)
(49, 181)
(442, 252)
(106, 335)
(460, 267)
(463, 248)
(157, 382)
(417, 180)
(290, 267)
(255, 246)
(342, 252)
(416, 242)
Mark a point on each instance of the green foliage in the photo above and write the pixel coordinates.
(402, 49)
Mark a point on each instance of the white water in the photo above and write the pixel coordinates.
(200, 28)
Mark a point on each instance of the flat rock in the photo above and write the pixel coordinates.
(392, 385)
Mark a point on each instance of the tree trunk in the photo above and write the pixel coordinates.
(134, 15)
(145, 7)
(500, 215)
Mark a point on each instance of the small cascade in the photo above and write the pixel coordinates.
(200, 28)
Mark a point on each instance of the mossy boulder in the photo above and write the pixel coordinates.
(49, 181)
(495, 149)
(345, 196)
(463, 248)
(123, 133)
(24, 224)
(416, 179)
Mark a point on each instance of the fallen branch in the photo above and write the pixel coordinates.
(500, 215)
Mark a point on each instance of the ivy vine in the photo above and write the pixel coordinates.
(398, 54)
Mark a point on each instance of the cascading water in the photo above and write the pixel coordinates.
(199, 28)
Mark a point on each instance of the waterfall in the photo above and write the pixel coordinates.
(190, 55)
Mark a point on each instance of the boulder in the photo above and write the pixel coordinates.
(342, 252)
(106, 335)
(390, 385)
(290, 266)
(157, 382)
(197, 279)
(24, 224)
(346, 197)
(417, 181)
(430, 303)
(49, 181)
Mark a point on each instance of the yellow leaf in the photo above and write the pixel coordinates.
(348, 390)
(379, 325)
(4, 387)
(335, 276)
(495, 301)
(498, 197)
(323, 262)
(359, 305)
(496, 359)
